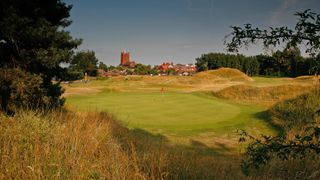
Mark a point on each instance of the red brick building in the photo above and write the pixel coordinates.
(125, 60)
(178, 68)
(165, 66)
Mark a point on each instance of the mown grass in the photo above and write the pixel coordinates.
(176, 113)
(184, 112)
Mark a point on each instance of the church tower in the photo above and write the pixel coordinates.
(125, 58)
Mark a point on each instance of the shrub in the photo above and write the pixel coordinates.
(24, 89)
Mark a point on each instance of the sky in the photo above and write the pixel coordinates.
(179, 31)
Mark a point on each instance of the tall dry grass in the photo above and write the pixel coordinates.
(67, 145)
(61, 145)
(296, 114)
(74, 145)
(266, 96)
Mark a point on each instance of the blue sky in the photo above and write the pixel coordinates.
(155, 31)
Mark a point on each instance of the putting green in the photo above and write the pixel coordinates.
(174, 112)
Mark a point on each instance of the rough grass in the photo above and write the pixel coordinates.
(67, 145)
(59, 146)
(262, 95)
(70, 145)
(204, 81)
(223, 74)
(297, 113)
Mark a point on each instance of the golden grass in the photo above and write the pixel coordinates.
(68, 145)
(296, 114)
(61, 146)
(223, 74)
(70, 90)
(84, 146)
(267, 96)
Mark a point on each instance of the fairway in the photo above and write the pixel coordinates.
(174, 113)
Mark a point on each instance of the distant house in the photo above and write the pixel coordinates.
(103, 73)
(182, 69)
(165, 66)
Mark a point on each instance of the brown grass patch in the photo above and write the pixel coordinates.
(262, 95)
(223, 74)
(69, 91)
(67, 145)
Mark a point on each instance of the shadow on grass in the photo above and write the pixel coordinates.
(203, 149)
(264, 115)
(145, 135)
(149, 141)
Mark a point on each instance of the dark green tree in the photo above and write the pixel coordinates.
(33, 44)
(84, 62)
(103, 66)
(142, 69)
(202, 63)
(210, 61)
(314, 65)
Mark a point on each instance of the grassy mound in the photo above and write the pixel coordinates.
(306, 78)
(223, 74)
(297, 113)
(262, 95)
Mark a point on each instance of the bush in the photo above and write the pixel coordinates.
(23, 89)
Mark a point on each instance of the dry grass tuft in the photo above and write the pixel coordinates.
(262, 95)
(295, 114)
(68, 145)
(62, 146)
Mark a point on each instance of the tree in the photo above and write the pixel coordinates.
(85, 62)
(103, 66)
(248, 65)
(202, 63)
(288, 62)
(306, 31)
(268, 65)
(142, 69)
(251, 66)
(315, 65)
(33, 43)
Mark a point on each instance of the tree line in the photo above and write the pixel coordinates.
(288, 62)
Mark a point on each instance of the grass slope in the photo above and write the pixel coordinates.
(267, 95)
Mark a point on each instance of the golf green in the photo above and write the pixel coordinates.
(173, 112)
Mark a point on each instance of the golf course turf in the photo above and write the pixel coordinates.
(176, 113)
(182, 109)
